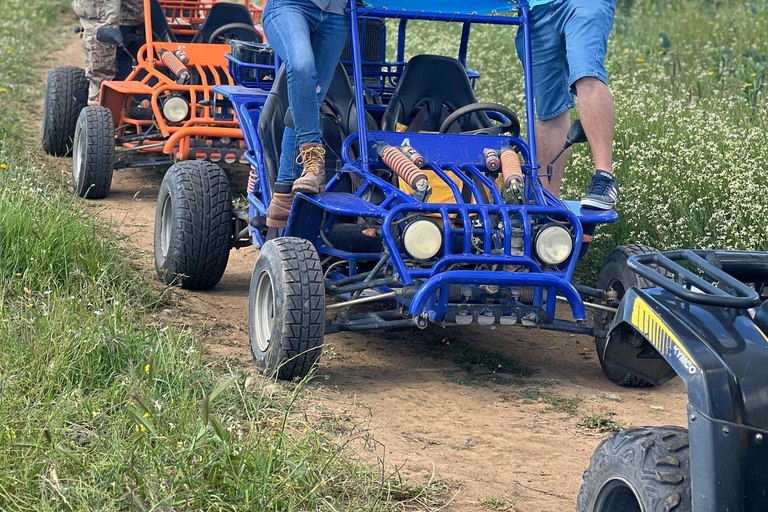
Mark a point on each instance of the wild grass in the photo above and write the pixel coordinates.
(689, 79)
(102, 407)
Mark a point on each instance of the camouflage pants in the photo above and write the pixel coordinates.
(100, 57)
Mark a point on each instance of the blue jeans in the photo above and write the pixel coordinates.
(309, 41)
(569, 39)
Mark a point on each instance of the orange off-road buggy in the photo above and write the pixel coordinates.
(164, 109)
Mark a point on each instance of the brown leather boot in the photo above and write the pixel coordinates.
(279, 209)
(312, 180)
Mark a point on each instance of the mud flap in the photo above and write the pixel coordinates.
(632, 350)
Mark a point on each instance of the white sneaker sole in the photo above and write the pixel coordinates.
(596, 205)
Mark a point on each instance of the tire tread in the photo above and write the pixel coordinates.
(62, 108)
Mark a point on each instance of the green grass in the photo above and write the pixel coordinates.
(690, 82)
(601, 423)
(102, 407)
(500, 503)
(555, 403)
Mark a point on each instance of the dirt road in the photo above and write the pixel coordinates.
(428, 396)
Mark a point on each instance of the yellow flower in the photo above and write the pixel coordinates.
(753, 74)
(146, 415)
(3, 166)
(645, 70)
(146, 368)
(32, 305)
(747, 85)
(711, 73)
(640, 61)
(661, 52)
(626, 52)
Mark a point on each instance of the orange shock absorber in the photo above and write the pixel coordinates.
(406, 170)
(510, 169)
(413, 155)
(175, 65)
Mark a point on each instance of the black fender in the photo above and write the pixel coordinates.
(722, 357)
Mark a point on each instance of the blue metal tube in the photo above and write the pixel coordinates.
(463, 44)
(530, 114)
(402, 14)
(358, 77)
(468, 183)
(478, 277)
(483, 259)
(448, 181)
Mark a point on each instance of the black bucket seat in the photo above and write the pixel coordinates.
(435, 83)
(226, 14)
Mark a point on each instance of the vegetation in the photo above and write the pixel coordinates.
(601, 423)
(690, 81)
(102, 407)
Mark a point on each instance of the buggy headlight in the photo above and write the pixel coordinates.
(175, 109)
(554, 244)
(422, 239)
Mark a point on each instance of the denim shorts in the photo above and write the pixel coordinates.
(569, 39)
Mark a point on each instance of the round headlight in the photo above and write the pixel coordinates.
(175, 109)
(554, 244)
(422, 239)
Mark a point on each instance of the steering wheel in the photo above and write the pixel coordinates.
(230, 26)
(512, 127)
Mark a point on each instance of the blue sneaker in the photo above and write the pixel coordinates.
(603, 192)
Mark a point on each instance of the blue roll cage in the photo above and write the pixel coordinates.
(459, 155)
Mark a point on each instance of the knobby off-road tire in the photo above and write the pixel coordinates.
(616, 275)
(193, 225)
(639, 470)
(93, 156)
(287, 308)
(66, 94)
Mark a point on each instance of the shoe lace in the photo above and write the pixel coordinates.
(311, 158)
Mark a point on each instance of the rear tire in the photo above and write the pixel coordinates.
(93, 156)
(193, 225)
(66, 94)
(616, 275)
(639, 470)
(287, 308)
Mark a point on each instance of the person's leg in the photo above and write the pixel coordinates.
(131, 12)
(550, 137)
(99, 57)
(551, 91)
(587, 25)
(328, 38)
(328, 41)
(598, 117)
(287, 28)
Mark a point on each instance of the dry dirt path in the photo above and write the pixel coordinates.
(495, 434)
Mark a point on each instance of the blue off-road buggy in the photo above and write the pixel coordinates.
(433, 209)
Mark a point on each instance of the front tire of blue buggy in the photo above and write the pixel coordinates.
(287, 308)
(645, 469)
(194, 225)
